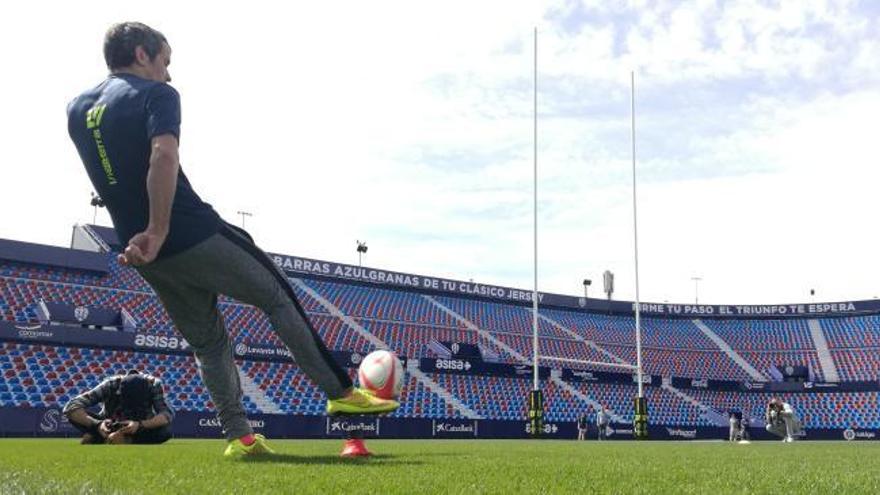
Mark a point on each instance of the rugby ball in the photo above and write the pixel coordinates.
(381, 373)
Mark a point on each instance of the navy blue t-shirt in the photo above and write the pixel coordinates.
(112, 126)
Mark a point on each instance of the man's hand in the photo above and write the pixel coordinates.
(104, 428)
(130, 427)
(142, 248)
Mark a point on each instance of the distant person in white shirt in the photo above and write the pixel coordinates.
(602, 418)
(734, 427)
(782, 421)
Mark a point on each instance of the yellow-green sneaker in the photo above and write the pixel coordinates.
(237, 449)
(361, 401)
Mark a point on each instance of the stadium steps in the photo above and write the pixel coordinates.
(748, 368)
(829, 369)
(253, 391)
(589, 343)
(412, 367)
(708, 413)
(482, 333)
(336, 312)
(596, 405)
(380, 344)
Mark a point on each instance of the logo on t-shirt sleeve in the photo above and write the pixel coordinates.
(93, 122)
(94, 115)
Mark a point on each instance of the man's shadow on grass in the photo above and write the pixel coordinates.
(378, 459)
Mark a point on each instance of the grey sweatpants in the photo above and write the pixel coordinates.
(229, 263)
(789, 426)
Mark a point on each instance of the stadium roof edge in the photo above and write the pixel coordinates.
(313, 268)
(28, 252)
(321, 269)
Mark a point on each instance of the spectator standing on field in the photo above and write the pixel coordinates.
(582, 426)
(744, 428)
(602, 419)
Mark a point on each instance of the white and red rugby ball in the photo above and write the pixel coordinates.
(381, 373)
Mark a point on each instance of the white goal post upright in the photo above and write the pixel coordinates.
(640, 409)
(535, 397)
(632, 76)
(535, 384)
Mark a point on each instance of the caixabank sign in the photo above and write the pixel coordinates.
(454, 428)
(353, 426)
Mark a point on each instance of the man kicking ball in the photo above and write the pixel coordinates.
(126, 130)
(782, 421)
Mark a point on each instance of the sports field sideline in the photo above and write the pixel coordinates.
(444, 466)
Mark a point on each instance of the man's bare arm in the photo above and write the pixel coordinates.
(161, 185)
(80, 417)
(162, 182)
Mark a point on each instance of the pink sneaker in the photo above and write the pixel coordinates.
(355, 447)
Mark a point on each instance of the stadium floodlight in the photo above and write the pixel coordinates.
(361, 250)
(96, 202)
(696, 289)
(587, 284)
(608, 280)
(244, 214)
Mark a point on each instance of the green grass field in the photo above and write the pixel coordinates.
(309, 466)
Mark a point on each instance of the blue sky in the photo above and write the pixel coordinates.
(409, 124)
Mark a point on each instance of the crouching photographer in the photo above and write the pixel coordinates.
(133, 410)
(782, 421)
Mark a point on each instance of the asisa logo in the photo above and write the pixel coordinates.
(160, 342)
(547, 429)
(452, 364)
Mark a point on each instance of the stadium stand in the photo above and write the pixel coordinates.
(817, 410)
(42, 375)
(37, 375)
(768, 343)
